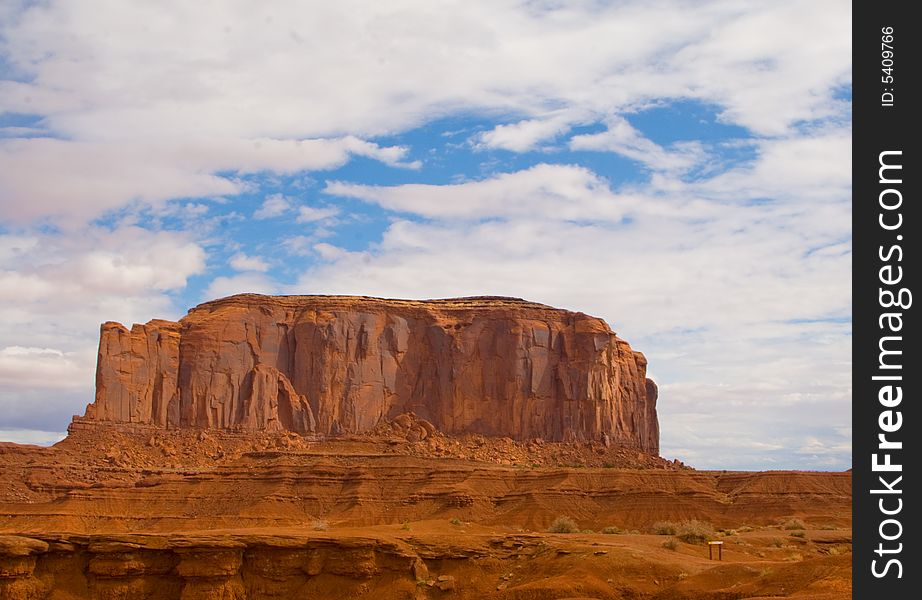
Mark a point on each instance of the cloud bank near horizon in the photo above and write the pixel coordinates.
(672, 167)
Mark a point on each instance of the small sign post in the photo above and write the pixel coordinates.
(719, 546)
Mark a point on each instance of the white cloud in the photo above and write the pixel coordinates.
(25, 367)
(557, 191)
(21, 351)
(249, 282)
(621, 137)
(242, 262)
(13, 246)
(393, 59)
(305, 245)
(55, 290)
(91, 178)
(310, 214)
(279, 88)
(32, 436)
(800, 169)
(528, 133)
(125, 261)
(275, 205)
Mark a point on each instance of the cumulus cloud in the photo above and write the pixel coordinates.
(93, 177)
(802, 169)
(125, 261)
(277, 88)
(250, 282)
(304, 245)
(242, 262)
(622, 138)
(502, 54)
(27, 367)
(561, 191)
(31, 436)
(55, 290)
(527, 134)
(275, 205)
(311, 214)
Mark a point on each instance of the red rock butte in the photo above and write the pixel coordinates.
(329, 365)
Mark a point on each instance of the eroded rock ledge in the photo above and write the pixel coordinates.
(330, 365)
(207, 566)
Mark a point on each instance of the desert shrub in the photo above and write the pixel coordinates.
(563, 525)
(745, 529)
(777, 543)
(321, 525)
(588, 531)
(611, 529)
(794, 524)
(405, 526)
(455, 521)
(665, 528)
(671, 544)
(695, 531)
(799, 534)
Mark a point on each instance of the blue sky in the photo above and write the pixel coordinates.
(671, 167)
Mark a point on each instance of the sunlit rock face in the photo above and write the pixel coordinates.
(339, 364)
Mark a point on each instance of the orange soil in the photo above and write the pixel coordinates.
(141, 514)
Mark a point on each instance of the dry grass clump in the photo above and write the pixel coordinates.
(563, 525)
(671, 544)
(665, 528)
(794, 524)
(611, 530)
(837, 549)
(691, 532)
(695, 531)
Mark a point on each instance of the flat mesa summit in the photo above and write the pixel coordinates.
(330, 365)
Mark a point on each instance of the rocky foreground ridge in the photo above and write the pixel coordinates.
(331, 365)
(184, 514)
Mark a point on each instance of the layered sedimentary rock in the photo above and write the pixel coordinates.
(425, 565)
(335, 364)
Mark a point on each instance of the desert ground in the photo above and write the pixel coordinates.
(145, 513)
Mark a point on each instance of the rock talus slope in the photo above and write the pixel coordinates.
(338, 364)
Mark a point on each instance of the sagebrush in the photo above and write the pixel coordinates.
(563, 525)
(691, 532)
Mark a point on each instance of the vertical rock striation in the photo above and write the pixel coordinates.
(339, 364)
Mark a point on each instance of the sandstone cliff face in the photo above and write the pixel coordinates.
(333, 364)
